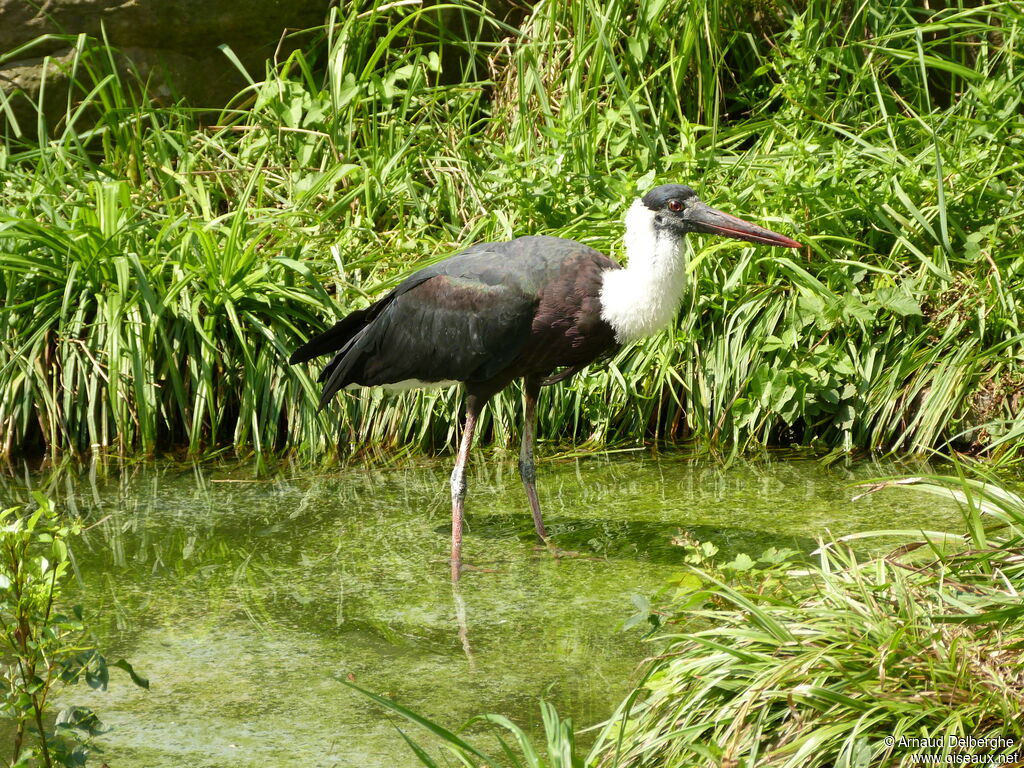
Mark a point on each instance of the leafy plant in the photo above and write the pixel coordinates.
(44, 648)
(559, 750)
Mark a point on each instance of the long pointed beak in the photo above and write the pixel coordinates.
(704, 218)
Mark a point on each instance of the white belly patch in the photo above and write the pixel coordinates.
(405, 386)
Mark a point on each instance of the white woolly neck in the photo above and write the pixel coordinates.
(643, 298)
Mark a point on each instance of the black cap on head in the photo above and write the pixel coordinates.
(659, 196)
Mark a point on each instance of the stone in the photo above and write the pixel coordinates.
(172, 44)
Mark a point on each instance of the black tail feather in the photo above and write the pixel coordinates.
(339, 373)
(332, 339)
(333, 384)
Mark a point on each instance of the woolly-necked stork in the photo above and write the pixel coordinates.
(522, 309)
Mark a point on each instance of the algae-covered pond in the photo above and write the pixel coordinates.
(247, 602)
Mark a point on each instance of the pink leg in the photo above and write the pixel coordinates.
(458, 483)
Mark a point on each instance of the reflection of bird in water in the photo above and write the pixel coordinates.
(460, 620)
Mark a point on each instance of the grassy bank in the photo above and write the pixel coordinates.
(876, 663)
(157, 266)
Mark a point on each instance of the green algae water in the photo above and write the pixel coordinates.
(248, 602)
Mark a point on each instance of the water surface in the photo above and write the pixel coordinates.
(247, 602)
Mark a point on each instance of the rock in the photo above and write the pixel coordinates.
(171, 43)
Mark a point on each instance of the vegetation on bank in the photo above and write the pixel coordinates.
(45, 645)
(157, 266)
(911, 658)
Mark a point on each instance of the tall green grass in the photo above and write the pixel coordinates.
(157, 266)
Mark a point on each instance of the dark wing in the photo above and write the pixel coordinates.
(463, 319)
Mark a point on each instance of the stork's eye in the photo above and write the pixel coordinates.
(675, 206)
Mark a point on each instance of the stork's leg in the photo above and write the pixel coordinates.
(458, 481)
(527, 469)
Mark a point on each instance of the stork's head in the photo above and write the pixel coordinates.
(675, 210)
